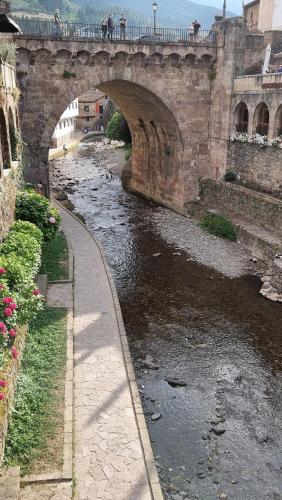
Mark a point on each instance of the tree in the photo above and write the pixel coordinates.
(118, 129)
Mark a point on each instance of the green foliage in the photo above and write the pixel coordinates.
(8, 52)
(23, 245)
(54, 256)
(218, 225)
(34, 413)
(21, 226)
(35, 208)
(229, 176)
(68, 74)
(212, 73)
(118, 129)
(128, 151)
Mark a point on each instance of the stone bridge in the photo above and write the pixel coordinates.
(175, 97)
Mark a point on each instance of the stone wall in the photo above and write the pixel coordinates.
(7, 203)
(258, 208)
(257, 167)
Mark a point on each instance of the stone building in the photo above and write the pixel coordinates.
(263, 15)
(92, 105)
(65, 129)
(9, 142)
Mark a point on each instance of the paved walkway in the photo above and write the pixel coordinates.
(109, 461)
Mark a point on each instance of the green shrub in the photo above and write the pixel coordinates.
(218, 225)
(21, 226)
(35, 208)
(118, 129)
(25, 247)
(229, 176)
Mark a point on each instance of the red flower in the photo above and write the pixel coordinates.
(14, 353)
(12, 332)
(2, 327)
(13, 306)
(3, 383)
(2, 396)
(36, 291)
(8, 311)
(2, 270)
(8, 300)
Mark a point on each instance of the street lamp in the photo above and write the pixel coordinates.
(155, 6)
(224, 9)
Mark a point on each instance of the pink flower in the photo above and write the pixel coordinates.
(8, 311)
(8, 300)
(2, 396)
(2, 270)
(2, 287)
(52, 220)
(36, 291)
(12, 332)
(14, 353)
(13, 306)
(2, 327)
(3, 383)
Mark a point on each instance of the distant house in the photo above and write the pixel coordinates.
(263, 15)
(66, 126)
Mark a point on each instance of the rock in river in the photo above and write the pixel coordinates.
(155, 416)
(174, 381)
(218, 429)
(149, 363)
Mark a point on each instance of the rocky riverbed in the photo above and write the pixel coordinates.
(206, 348)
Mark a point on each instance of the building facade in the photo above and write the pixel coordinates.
(92, 105)
(264, 15)
(65, 129)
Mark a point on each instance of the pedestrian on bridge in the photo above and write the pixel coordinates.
(58, 23)
(111, 27)
(122, 24)
(196, 26)
(104, 27)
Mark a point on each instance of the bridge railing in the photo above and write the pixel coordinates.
(49, 29)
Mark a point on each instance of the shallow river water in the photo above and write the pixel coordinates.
(220, 435)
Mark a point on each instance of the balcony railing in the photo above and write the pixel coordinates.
(66, 30)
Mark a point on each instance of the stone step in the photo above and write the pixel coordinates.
(9, 483)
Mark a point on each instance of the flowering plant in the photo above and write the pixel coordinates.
(262, 140)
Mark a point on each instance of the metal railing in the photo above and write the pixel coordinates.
(49, 29)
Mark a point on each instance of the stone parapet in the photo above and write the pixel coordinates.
(261, 209)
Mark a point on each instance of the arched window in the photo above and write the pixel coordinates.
(278, 122)
(261, 119)
(4, 141)
(241, 117)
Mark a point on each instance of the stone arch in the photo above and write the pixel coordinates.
(261, 119)
(190, 59)
(173, 60)
(278, 122)
(241, 117)
(13, 135)
(120, 59)
(101, 57)
(83, 57)
(63, 56)
(43, 56)
(206, 60)
(6, 160)
(23, 55)
(138, 59)
(156, 58)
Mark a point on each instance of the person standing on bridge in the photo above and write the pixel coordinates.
(104, 27)
(122, 24)
(196, 26)
(58, 23)
(111, 27)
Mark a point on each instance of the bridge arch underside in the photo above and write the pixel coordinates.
(166, 103)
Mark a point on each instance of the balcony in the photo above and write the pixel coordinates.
(258, 83)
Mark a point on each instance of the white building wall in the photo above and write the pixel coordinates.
(66, 125)
(270, 15)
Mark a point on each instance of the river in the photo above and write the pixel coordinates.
(219, 436)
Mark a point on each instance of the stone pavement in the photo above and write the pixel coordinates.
(109, 461)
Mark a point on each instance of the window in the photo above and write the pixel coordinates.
(88, 119)
(241, 118)
(261, 119)
(86, 109)
(101, 110)
(278, 122)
